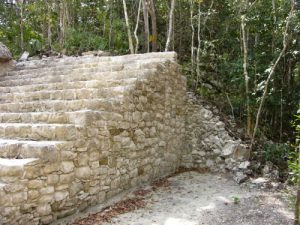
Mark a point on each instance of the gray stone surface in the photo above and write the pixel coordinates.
(5, 54)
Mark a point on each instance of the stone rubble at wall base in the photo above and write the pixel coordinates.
(209, 145)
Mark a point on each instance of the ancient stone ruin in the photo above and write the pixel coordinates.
(76, 131)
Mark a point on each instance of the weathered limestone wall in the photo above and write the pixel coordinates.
(89, 148)
(208, 144)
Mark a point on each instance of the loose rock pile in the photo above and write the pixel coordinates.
(209, 145)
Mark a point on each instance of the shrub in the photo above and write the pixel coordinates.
(277, 154)
(78, 41)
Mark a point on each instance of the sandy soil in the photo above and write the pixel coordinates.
(193, 198)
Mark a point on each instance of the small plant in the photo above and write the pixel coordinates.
(236, 199)
(277, 154)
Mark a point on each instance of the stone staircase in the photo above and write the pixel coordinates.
(54, 114)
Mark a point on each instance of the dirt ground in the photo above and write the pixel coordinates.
(193, 198)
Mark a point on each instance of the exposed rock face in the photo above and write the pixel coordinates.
(5, 54)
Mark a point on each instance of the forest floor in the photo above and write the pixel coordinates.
(193, 198)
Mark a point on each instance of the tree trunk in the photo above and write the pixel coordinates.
(199, 46)
(170, 29)
(62, 23)
(246, 76)
(49, 25)
(146, 26)
(136, 28)
(153, 26)
(110, 24)
(193, 34)
(271, 73)
(128, 28)
(297, 206)
(21, 24)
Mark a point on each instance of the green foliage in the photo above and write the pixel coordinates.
(236, 199)
(79, 41)
(277, 154)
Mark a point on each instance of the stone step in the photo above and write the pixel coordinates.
(68, 94)
(69, 85)
(47, 151)
(11, 170)
(36, 117)
(53, 72)
(80, 70)
(29, 131)
(72, 76)
(108, 104)
(81, 117)
(89, 61)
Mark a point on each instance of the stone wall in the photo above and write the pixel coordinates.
(209, 146)
(66, 145)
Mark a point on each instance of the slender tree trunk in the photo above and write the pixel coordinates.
(153, 26)
(21, 24)
(180, 30)
(193, 34)
(173, 35)
(199, 46)
(136, 28)
(297, 206)
(231, 106)
(246, 76)
(170, 29)
(208, 13)
(49, 25)
(297, 203)
(146, 25)
(110, 24)
(274, 24)
(128, 28)
(62, 23)
(271, 73)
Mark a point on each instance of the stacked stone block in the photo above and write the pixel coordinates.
(76, 131)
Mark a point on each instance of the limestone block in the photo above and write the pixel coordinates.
(12, 188)
(33, 194)
(67, 166)
(35, 184)
(47, 190)
(50, 168)
(19, 197)
(66, 178)
(83, 172)
(44, 210)
(61, 195)
(52, 179)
